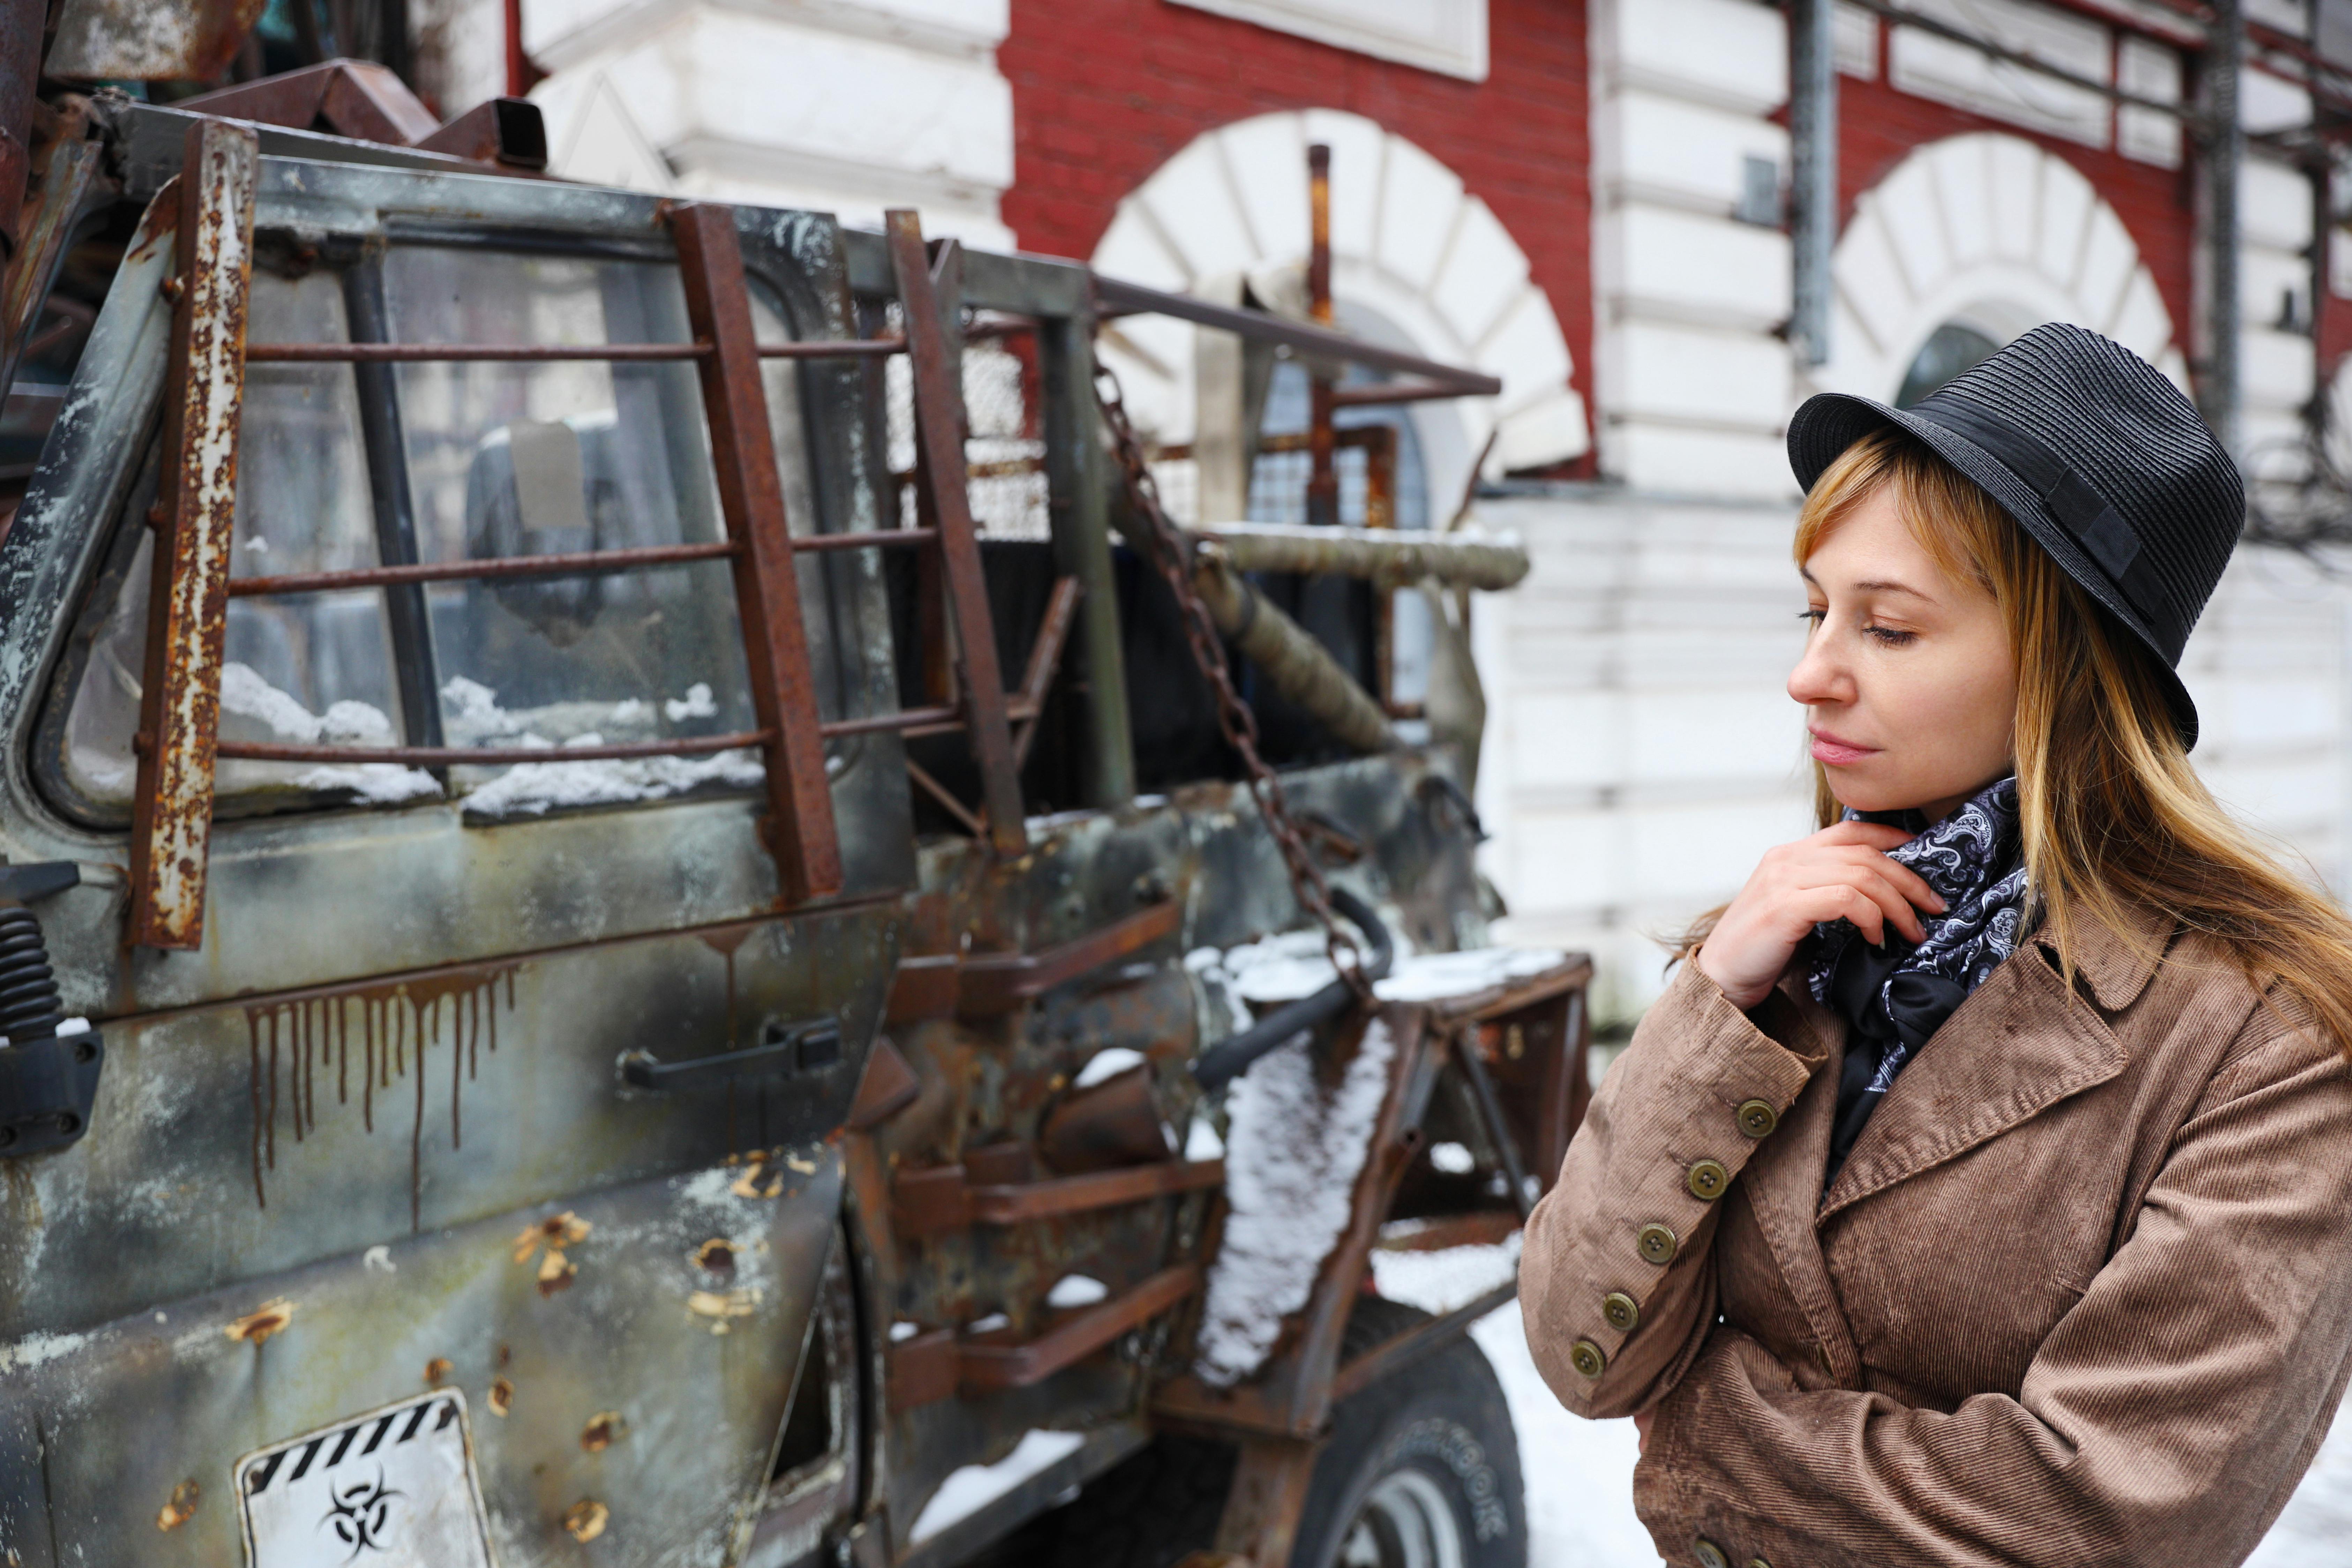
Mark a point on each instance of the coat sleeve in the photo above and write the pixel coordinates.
(2162, 1423)
(1672, 1101)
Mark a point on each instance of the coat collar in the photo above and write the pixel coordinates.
(2023, 1042)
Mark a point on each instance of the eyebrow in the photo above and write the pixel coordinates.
(1874, 584)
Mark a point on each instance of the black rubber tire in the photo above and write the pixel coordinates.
(1443, 1416)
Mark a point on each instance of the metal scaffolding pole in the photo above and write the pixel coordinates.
(2221, 149)
(1813, 175)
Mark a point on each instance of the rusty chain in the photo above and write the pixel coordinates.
(1170, 555)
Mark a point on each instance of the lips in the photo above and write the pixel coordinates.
(1831, 751)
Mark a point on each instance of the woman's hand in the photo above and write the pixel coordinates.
(1838, 873)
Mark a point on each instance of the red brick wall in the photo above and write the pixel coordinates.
(1104, 92)
(1878, 127)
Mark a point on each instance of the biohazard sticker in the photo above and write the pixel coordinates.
(392, 1489)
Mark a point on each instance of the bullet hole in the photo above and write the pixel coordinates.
(439, 1367)
(717, 1256)
(501, 1396)
(587, 1520)
(257, 1325)
(605, 1428)
(179, 1511)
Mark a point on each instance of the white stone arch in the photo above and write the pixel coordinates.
(1997, 234)
(1409, 244)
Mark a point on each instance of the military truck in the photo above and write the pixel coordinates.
(594, 969)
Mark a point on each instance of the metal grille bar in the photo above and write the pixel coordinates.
(575, 564)
(542, 353)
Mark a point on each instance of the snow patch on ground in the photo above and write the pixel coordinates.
(1105, 1065)
(968, 1490)
(1293, 1151)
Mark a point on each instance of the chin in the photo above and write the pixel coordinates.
(1864, 796)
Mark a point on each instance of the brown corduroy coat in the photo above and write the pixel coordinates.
(2080, 1294)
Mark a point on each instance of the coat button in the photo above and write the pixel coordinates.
(1624, 1313)
(1756, 1118)
(1710, 1555)
(1586, 1357)
(1708, 1179)
(1658, 1244)
(1758, 1562)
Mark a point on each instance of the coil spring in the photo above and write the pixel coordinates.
(29, 1009)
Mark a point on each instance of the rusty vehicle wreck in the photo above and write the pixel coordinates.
(594, 969)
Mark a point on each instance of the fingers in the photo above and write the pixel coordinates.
(1909, 883)
(1821, 905)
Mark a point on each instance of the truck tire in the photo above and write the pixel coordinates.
(1422, 1470)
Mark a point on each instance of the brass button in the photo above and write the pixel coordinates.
(1586, 1357)
(1756, 1118)
(1658, 1244)
(1624, 1313)
(1710, 1555)
(1708, 1179)
(1758, 1562)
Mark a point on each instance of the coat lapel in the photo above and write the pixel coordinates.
(2021, 1043)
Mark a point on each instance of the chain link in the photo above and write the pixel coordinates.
(1170, 555)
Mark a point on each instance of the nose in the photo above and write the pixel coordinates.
(1821, 676)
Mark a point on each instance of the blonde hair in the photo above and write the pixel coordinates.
(2116, 824)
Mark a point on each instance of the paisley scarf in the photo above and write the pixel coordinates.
(1895, 996)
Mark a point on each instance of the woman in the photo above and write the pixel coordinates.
(1981, 1196)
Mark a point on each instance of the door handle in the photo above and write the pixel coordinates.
(806, 1046)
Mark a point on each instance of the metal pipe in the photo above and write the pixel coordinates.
(1322, 472)
(1300, 667)
(489, 756)
(1115, 297)
(2221, 149)
(436, 354)
(1231, 1057)
(1813, 174)
(1392, 558)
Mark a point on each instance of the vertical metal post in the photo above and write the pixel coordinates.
(394, 506)
(1323, 474)
(196, 512)
(938, 429)
(800, 826)
(1813, 174)
(1078, 503)
(2221, 149)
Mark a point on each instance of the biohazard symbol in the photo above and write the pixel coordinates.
(361, 1514)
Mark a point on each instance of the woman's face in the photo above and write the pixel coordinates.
(1908, 683)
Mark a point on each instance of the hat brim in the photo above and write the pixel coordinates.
(1831, 421)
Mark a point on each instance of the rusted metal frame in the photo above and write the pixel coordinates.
(1481, 1227)
(1394, 1354)
(1384, 394)
(1115, 296)
(986, 1368)
(489, 756)
(944, 1198)
(75, 169)
(1044, 660)
(577, 564)
(393, 504)
(998, 982)
(1077, 510)
(1322, 473)
(799, 829)
(533, 353)
(358, 98)
(913, 721)
(1260, 1522)
(938, 429)
(187, 617)
(509, 131)
(1567, 1091)
(931, 786)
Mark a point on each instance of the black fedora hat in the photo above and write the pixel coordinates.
(2096, 455)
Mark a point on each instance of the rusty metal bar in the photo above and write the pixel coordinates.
(187, 615)
(1115, 297)
(1078, 507)
(835, 348)
(488, 756)
(876, 539)
(1380, 395)
(1498, 1129)
(76, 166)
(945, 799)
(435, 354)
(800, 828)
(1000, 981)
(987, 1368)
(933, 720)
(939, 421)
(576, 563)
(1322, 473)
(1415, 1343)
(1045, 658)
(1015, 1203)
(1442, 1233)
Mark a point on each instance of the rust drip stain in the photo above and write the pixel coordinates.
(397, 1019)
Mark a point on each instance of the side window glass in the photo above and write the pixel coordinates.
(350, 467)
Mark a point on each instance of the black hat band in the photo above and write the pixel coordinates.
(2087, 519)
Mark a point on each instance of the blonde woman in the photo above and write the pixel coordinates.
(1980, 1189)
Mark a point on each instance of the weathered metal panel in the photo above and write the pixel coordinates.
(196, 512)
(645, 1390)
(149, 40)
